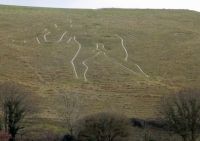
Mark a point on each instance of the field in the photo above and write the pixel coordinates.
(119, 59)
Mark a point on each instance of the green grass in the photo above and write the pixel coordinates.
(164, 43)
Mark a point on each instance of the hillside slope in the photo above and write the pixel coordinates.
(120, 59)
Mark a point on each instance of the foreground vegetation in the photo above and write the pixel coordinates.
(178, 114)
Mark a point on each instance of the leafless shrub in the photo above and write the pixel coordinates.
(16, 104)
(71, 107)
(105, 126)
(181, 113)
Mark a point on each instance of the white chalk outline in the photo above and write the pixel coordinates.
(45, 36)
(103, 46)
(141, 70)
(120, 64)
(123, 47)
(62, 36)
(87, 66)
(38, 40)
(127, 56)
(69, 39)
(97, 46)
(75, 57)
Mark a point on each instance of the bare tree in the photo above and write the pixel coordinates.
(181, 113)
(71, 107)
(15, 105)
(105, 126)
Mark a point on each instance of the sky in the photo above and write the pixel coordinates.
(94, 4)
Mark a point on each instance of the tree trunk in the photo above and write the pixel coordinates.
(71, 132)
(185, 138)
(5, 121)
(12, 138)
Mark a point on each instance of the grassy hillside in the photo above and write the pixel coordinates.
(120, 59)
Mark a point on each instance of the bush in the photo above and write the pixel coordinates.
(138, 122)
(68, 138)
(4, 136)
(181, 113)
(156, 123)
(104, 127)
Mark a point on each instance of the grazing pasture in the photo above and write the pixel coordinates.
(122, 60)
